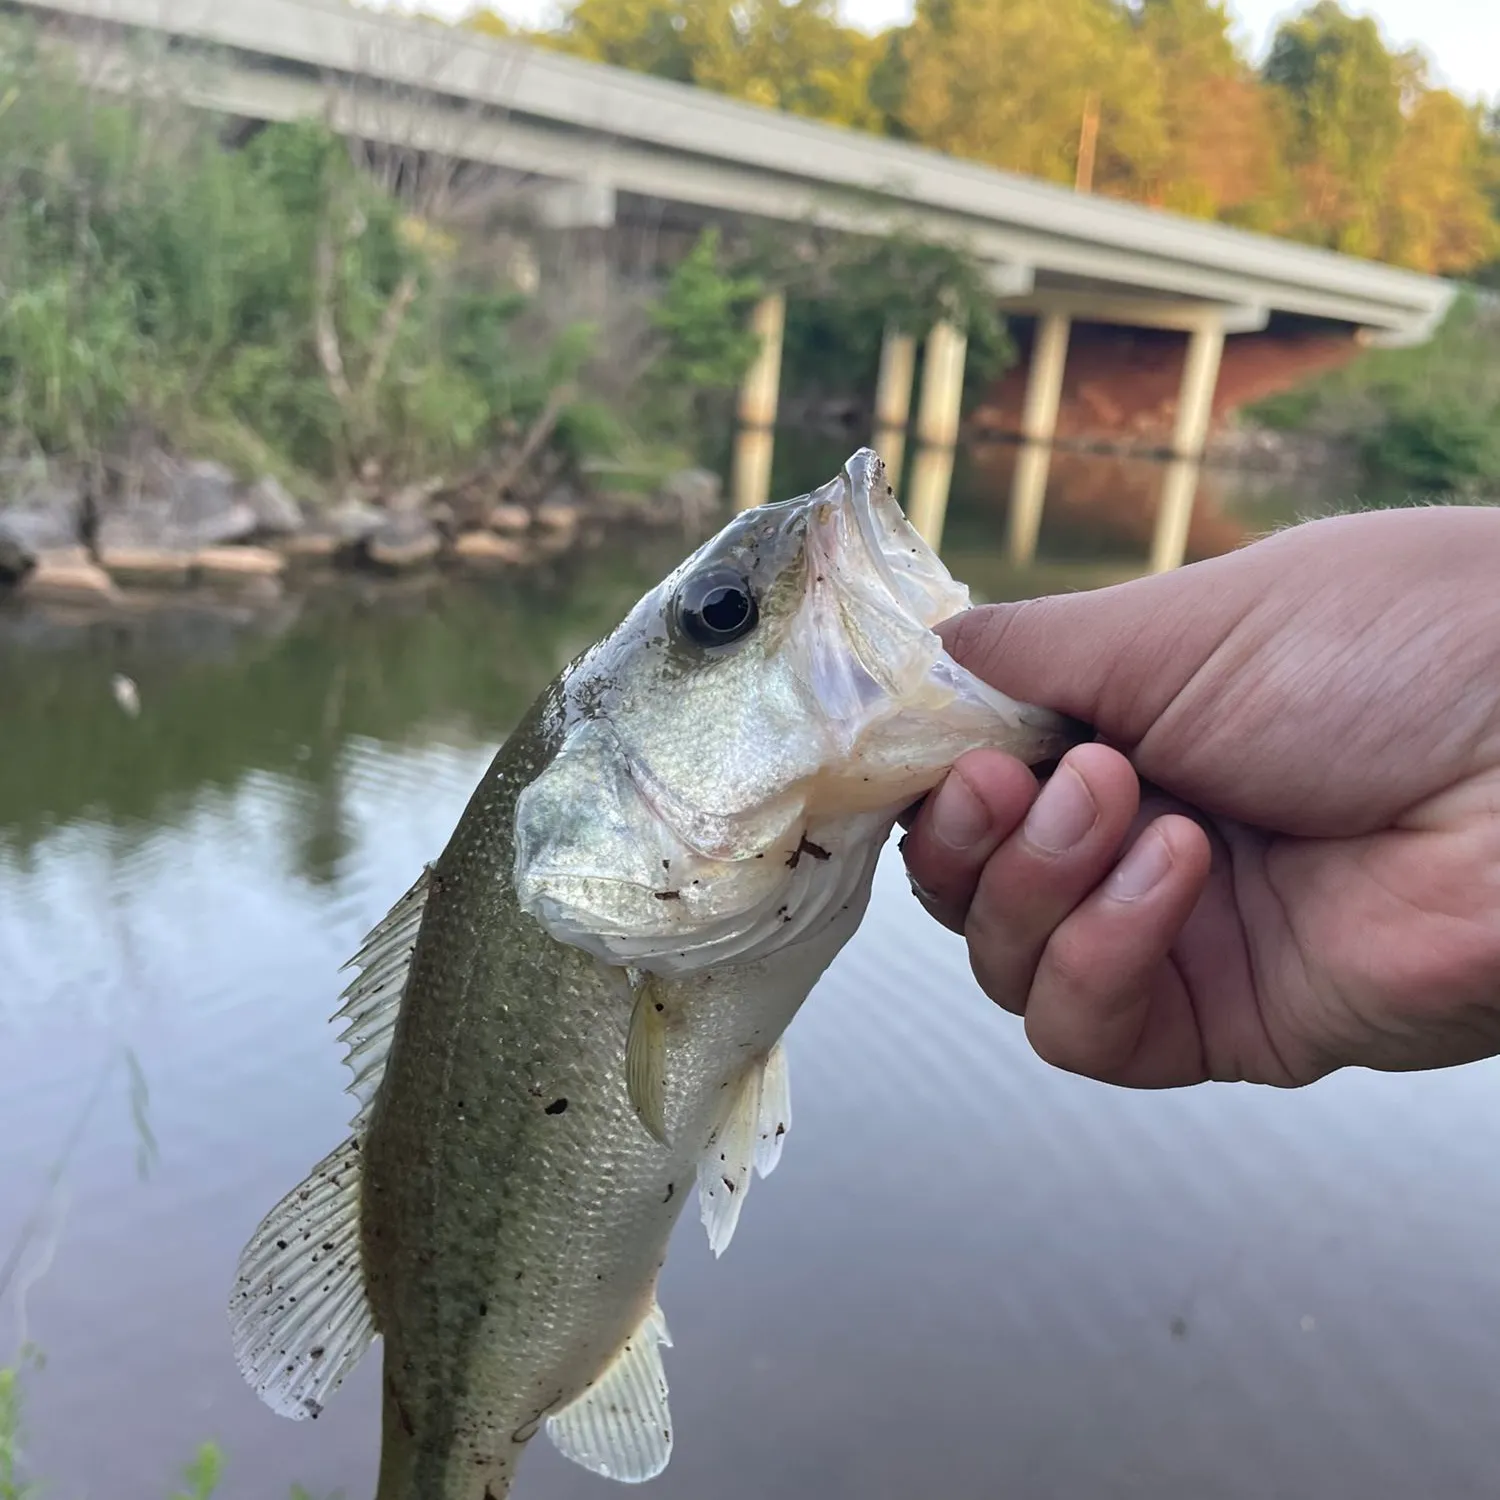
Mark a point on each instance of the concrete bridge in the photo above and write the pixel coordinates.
(597, 144)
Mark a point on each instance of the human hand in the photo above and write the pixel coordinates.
(1299, 757)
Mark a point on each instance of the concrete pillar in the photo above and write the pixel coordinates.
(937, 430)
(898, 362)
(1200, 374)
(1049, 357)
(755, 440)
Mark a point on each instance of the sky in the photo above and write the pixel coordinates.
(1461, 37)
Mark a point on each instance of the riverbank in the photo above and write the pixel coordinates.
(173, 523)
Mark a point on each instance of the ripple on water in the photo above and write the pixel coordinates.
(971, 1275)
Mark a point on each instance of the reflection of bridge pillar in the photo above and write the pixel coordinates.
(1049, 356)
(1200, 374)
(759, 390)
(898, 362)
(937, 429)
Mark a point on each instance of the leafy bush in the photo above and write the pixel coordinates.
(1428, 416)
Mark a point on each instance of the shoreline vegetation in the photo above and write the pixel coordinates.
(232, 353)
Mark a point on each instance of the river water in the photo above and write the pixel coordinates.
(971, 1277)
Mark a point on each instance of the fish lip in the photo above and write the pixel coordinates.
(863, 470)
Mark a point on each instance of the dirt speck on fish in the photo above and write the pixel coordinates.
(578, 1008)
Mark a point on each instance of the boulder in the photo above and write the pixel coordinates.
(406, 540)
(352, 521)
(254, 562)
(484, 547)
(67, 573)
(558, 516)
(146, 562)
(509, 519)
(38, 512)
(276, 512)
(179, 507)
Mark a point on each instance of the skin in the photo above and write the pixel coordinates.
(1281, 857)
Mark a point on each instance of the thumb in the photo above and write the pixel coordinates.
(1114, 657)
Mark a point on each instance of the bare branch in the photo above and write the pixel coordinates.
(390, 329)
(325, 334)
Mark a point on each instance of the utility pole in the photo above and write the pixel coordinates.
(1088, 136)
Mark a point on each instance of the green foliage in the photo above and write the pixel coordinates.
(12, 1486)
(705, 347)
(271, 306)
(844, 291)
(1426, 418)
(202, 1474)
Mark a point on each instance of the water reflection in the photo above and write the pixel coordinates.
(971, 1276)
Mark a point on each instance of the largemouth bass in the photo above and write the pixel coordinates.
(571, 1024)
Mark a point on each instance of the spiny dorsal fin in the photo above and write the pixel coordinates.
(621, 1426)
(373, 1000)
(299, 1317)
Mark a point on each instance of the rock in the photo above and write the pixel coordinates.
(38, 513)
(67, 573)
(276, 512)
(509, 519)
(559, 514)
(404, 541)
(147, 562)
(486, 547)
(352, 521)
(180, 507)
(551, 543)
(254, 562)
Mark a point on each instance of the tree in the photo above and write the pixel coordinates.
(1008, 84)
(1343, 93)
(784, 54)
(1220, 159)
(1436, 215)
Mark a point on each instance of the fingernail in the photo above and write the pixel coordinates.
(1062, 814)
(1141, 869)
(959, 818)
(921, 892)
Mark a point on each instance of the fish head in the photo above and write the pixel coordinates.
(735, 753)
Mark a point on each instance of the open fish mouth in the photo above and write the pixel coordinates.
(876, 594)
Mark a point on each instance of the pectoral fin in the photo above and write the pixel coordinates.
(621, 1426)
(646, 1059)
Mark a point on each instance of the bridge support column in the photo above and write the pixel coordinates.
(937, 429)
(759, 391)
(898, 362)
(1049, 357)
(1200, 374)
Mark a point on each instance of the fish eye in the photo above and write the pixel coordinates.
(716, 607)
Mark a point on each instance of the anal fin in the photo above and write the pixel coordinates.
(621, 1426)
(300, 1319)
